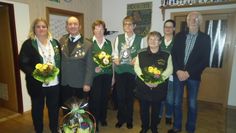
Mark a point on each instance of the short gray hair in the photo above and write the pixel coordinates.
(199, 16)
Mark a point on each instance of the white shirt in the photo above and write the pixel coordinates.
(77, 37)
(99, 45)
(47, 53)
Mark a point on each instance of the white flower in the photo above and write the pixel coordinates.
(105, 61)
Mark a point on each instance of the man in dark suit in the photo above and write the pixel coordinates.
(76, 64)
(191, 52)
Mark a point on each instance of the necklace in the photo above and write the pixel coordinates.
(128, 41)
(46, 52)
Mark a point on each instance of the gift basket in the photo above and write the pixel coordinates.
(78, 120)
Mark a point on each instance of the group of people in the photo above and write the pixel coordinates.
(177, 60)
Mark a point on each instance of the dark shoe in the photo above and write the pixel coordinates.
(154, 130)
(104, 123)
(168, 121)
(158, 121)
(143, 131)
(119, 125)
(129, 125)
(97, 129)
(174, 131)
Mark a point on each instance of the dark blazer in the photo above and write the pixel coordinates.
(198, 59)
(28, 58)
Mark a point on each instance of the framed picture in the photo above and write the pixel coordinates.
(57, 21)
(142, 16)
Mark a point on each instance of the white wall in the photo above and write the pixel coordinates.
(22, 22)
(232, 89)
(115, 10)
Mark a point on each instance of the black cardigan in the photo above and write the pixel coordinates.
(28, 58)
(198, 59)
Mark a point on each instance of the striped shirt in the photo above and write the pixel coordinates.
(190, 41)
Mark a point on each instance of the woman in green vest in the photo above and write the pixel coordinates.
(126, 48)
(166, 45)
(102, 50)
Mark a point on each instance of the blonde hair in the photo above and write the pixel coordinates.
(129, 19)
(35, 22)
(154, 33)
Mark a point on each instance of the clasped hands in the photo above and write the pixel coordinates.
(182, 75)
(151, 85)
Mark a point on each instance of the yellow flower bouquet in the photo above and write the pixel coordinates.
(103, 59)
(45, 72)
(152, 74)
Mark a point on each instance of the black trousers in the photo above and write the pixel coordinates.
(145, 114)
(50, 95)
(99, 96)
(125, 84)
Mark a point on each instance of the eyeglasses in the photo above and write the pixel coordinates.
(168, 27)
(127, 24)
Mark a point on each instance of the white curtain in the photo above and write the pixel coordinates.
(216, 29)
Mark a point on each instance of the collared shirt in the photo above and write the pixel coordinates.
(129, 40)
(47, 53)
(77, 37)
(190, 41)
(99, 45)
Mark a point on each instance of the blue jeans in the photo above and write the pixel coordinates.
(192, 93)
(168, 104)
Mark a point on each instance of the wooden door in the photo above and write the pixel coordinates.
(215, 79)
(8, 90)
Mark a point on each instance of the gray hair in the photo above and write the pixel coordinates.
(199, 16)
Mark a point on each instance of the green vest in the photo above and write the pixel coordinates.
(107, 47)
(134, 49)
(166, 48)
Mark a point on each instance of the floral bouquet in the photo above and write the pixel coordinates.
(45, 72)
(78, 120)
(103, 59)
(152, 74)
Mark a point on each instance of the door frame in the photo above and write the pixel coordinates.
(15, 55)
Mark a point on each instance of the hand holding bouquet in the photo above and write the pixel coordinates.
(152, 75)
(45, 72)
(103, 59)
